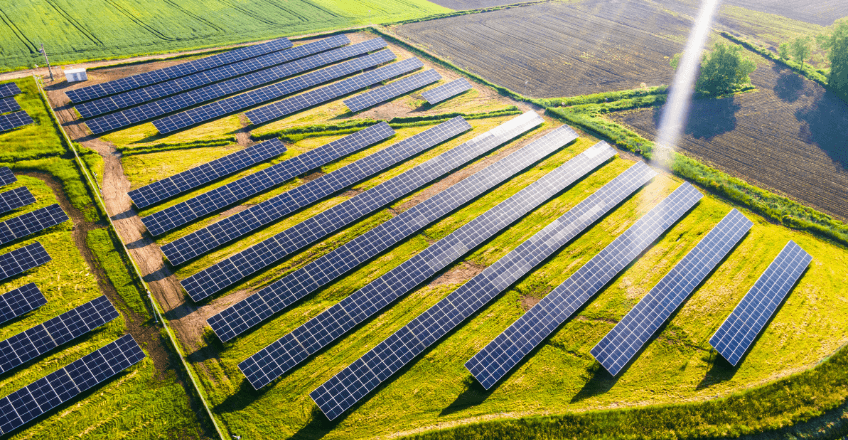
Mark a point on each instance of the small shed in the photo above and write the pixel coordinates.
(76, 75)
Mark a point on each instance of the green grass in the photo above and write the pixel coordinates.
(36, 140)
(98, 29)
(118, 270)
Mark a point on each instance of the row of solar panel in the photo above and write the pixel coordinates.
(12, 121)
(9, 89)
(14, 199)
(187, 68)
(31, 222)
(8, 105)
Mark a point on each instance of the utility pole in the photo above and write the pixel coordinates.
(44, 52)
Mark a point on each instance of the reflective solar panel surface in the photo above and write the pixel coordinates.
(269, 251)
(501, 355)
(392, 90)
(62, 329)
(354, 382)
(56, 388)
(328, 93)
(9, 105)
(172, 87)
(6, 176)
(14, 120)
(160, 75)
(9, 89)
(20, 301)
(622, 343)
(749, 318)
(447, 91)
(318, 332)
(208, 112)
(31, 222)
(229, 229)
(203, 174)
(23, 259)
(14, 199)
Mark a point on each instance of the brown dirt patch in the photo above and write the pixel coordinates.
(528, 301)
(459, 274)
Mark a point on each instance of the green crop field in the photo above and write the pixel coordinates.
(75, 31)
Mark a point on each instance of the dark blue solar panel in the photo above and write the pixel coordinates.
(9, 105)
(6, 176)
(56, 388)
(501, 355)
(447, 91)
(354, 382)
(191, 98)
(160, 75)
(14, 199)
(9, 89)
(622, 343)
(31, 222)
(751, 315)
(203, 174)
(266, 253)
(20, 301)
(157, 91)
(333, 91)
(23, 259)
(14, 120)
(38, 340)
(392, 90)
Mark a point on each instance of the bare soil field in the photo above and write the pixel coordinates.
(788, 136)
(559, 49)
(822, 12)
(476, 4)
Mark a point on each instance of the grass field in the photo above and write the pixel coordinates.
(97, 29)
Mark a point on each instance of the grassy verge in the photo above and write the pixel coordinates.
(118, 270)
(816, 75)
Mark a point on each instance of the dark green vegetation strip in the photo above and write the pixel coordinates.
(816, 75)
(117, 268)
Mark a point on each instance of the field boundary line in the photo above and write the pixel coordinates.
(95, 189)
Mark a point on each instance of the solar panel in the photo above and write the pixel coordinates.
(6, 176)
(14, 199)
(277, 207)
(38, 340)
(156, 76)
(327, 268)
(31, 222)
(501, 355)
(749, 318)
(392, 90)
(185, 100)
(20, 301)
(23, 259)
(344, 389)
(622, 343)
(208, 238)
(9, 105)
(264, 254)
(328, 93)
(35, 399)
(9, 89)
(203, 174)
(282, 355)
(447, 91)
(172, 87)
(14, 120)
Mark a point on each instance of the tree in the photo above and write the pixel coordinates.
(783, 51)
(723, 70)
(801, 49)
(836, 45)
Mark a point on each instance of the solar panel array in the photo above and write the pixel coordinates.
(392, 90)
(182, 101)
(271, 250)
(203, 174)
(206, 239)
(9, 105)
(9, 89)
(14, 199)
(14, 120)
(264, 213)
(282, 355)
(23, 259)
(156, 76)
(622, 343)
(20, 301)
(501, 355)
(157, 91)
(328, 93)
(751, 315)
(36, 341)
(320, 272)
(6, 176)
(365, 374)
(447, 91)
(31, 222)
(24, 405)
